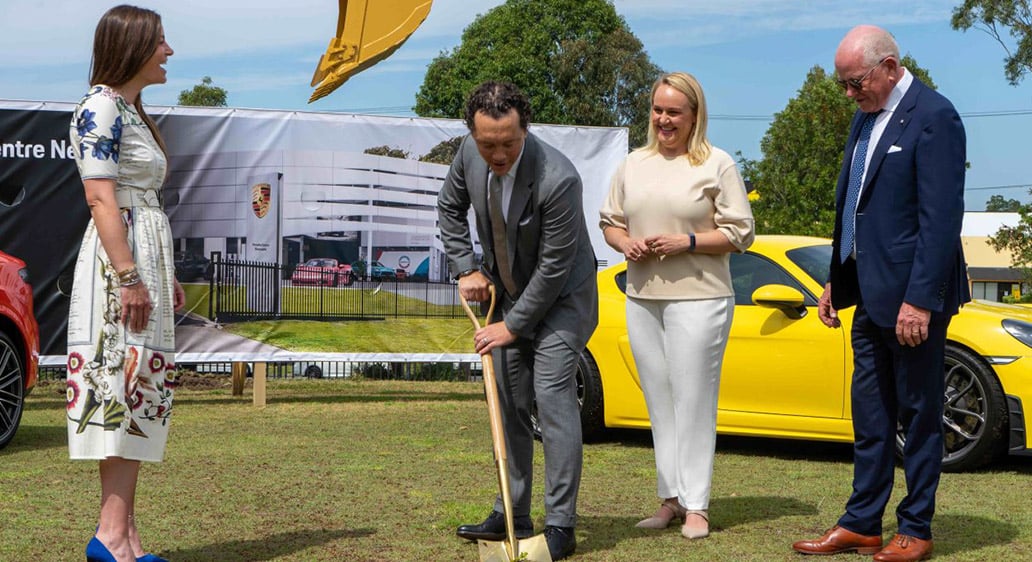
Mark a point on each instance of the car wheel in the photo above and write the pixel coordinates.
(589, 399)
(975, 414)
(313, 372)
(12, 389)
(349, 280)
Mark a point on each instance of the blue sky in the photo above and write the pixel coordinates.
(751, 57)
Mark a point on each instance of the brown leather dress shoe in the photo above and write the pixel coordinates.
(904, 548)
(838, 540)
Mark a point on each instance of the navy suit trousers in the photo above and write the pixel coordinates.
(895, 383)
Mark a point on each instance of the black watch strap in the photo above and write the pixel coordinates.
(464, 273)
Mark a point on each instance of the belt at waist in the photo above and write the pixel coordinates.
(132, 197)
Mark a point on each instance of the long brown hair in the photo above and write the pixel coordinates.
(125, 40)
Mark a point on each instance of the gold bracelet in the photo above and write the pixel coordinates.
(128, 277)
(127, 273)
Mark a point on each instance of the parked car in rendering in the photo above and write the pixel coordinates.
(323, 271)
(191, 267)
(787, 375)
(19, 344)
(376, 272)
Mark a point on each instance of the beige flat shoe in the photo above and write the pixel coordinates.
(696, 524)
(667, 512)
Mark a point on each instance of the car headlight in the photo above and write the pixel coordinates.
(1022, 331)
(24, 274)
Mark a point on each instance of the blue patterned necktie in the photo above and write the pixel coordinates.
(856, 176)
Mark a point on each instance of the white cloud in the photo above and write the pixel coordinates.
(662, 23)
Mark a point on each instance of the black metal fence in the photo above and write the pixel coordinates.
(248, 291)
(375, 370)
(372, 370)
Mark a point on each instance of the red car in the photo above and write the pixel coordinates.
(322, 271)
(19, 344)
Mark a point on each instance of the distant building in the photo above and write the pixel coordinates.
(989, 271)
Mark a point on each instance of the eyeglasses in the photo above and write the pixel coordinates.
(858, 83)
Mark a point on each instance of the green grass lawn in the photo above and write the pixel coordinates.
(358, 300)
(390, 335)
(385, 470)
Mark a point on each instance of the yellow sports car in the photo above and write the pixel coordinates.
(786, 375)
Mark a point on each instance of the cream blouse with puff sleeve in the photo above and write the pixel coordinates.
(652, 194)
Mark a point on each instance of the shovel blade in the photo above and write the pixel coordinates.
(534, 549)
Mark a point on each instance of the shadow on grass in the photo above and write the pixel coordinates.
(265, 548)
(790, 449)
(605, 533)
(37, 402)
(630, 438)
(37, 437)
(969, 532)
(733, 512)
(1018, 464)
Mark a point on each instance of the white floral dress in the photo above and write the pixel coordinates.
(120, 383)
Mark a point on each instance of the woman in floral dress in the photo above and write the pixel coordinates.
(121, 327)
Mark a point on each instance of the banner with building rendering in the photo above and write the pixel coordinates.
(352, 190)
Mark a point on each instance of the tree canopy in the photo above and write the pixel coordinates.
(998, 204)
(205, 94)
(390, 151)
(995, 17)
(1018, 240)
(802, 156)
(443, 152)
(576, 60)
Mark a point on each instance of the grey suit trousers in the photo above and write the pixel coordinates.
(543, 368)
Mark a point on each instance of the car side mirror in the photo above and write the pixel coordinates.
(782, 297)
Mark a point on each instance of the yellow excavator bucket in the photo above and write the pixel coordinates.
(368, 31)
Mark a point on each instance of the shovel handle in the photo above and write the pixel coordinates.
(469, 311)
(497, 433)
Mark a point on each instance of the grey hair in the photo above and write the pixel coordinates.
(877, 46)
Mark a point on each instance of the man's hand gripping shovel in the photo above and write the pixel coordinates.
(534, 549)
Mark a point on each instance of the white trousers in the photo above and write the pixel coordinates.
(678, 348)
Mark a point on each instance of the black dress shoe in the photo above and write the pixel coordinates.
(493, 528)
(561, 542)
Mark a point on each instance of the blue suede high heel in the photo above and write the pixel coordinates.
(151, 558)
(97, 552)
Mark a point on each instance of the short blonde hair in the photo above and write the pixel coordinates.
(698, 148)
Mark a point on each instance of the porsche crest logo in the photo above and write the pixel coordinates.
(261, 197)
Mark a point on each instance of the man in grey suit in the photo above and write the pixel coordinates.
(526, 197)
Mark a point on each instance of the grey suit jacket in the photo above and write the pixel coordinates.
(551, 256)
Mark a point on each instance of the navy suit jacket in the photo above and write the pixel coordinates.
(909, 215)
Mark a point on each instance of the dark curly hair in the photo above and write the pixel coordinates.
(496, 99)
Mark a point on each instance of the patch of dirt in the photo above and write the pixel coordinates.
(185, 379)
(194, 381)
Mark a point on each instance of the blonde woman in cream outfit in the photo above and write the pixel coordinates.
(677, 208)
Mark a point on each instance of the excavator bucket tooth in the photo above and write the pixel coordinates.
(368, 31)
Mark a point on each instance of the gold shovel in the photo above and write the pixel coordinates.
(534, 549)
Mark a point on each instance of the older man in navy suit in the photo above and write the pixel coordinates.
(898, 259)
